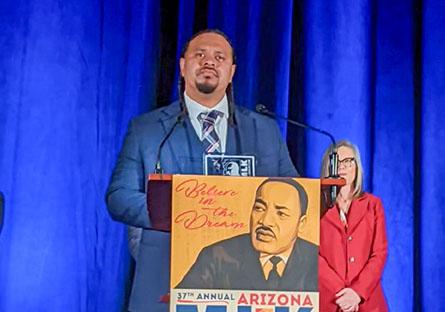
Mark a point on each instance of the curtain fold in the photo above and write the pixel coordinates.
(431, 226)
(73, 73)
(394, 145)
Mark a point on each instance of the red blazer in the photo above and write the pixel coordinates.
(353, 257)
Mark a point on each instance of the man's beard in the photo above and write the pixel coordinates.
(205, 88)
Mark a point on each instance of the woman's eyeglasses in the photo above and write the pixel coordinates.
(347, 162)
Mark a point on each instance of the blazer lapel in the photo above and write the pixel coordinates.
(294, 274)
(231, 141)
(242, 137)
(355, 214)
(183, 147)
(252, 270)
(302, 268)
(332, 216)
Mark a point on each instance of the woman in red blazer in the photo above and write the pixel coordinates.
(353, 246)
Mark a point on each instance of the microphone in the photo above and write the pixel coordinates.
(333, 157)
(179, 119)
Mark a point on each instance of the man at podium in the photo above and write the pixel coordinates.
(205, 120)
(271, 256)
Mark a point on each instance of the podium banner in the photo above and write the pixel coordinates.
(244, 244)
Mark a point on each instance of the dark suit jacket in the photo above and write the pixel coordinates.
(234, 264)
(254, 134)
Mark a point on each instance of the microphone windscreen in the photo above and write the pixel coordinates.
(260, 108)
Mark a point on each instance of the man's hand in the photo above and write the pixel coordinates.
(348, 300)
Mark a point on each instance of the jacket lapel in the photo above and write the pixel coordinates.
(356, 213)
(231, 142)
(297, 274)
(242, 137)
(251, 269)
(183, 146)
(332, 216)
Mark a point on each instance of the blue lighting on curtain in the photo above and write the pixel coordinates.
(72, 74)
(432, 168)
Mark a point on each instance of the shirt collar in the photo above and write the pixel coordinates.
(284, 256)
(194, 108)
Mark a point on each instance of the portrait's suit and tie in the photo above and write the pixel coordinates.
(234, 264)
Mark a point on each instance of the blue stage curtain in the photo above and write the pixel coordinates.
(72, 74)
(360, 87)
(430, 223)
(373, 76)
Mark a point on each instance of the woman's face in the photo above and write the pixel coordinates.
(347, 168)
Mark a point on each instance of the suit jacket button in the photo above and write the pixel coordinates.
(350, 238)
(351, 259)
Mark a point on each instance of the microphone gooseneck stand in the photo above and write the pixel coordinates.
(333, 156)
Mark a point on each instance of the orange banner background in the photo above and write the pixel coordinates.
(207, 209)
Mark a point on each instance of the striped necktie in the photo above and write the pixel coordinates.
(211, 140)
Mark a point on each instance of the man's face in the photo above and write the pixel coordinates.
(207, 65)
(275, 218)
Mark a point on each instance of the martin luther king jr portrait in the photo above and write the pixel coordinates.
(271, 256)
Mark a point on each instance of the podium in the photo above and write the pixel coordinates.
(159, 193)
(222, 228)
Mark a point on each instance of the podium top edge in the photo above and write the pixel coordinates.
(324, 182)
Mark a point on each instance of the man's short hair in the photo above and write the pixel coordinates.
(301, 191)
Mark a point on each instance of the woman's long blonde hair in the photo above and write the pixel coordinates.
(358, 181)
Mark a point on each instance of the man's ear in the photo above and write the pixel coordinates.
(181, 65)
(302, 224)
(232, 72)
